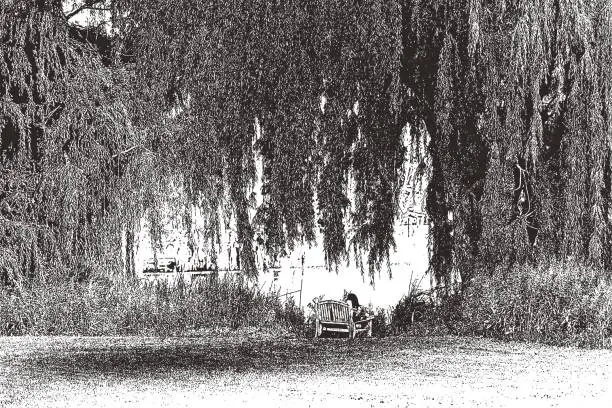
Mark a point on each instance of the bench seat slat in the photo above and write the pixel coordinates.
(336, 329)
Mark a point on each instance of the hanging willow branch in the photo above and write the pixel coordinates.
(61, 128)
(518, 90)
(514, 95)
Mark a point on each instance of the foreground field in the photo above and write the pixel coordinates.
(245, 369)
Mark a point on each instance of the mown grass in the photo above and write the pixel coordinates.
(101, 308)
(237, 371)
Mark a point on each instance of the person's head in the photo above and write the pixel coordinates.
(352, 298)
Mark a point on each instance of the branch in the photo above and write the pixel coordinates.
(89, 4)
(126, 151)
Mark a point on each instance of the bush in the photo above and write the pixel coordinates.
(560, 303)
(380, 324)
(309, 325)
(412, 308)
(105, 308)
(292, 317)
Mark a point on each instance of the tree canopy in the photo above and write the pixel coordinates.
(514, 96)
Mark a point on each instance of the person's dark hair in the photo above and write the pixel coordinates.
(353, 298)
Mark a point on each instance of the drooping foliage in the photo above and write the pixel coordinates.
(513, 95)
(64, 123)
(517, 104)
(274, 63)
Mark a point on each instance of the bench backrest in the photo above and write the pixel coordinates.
(333, 311)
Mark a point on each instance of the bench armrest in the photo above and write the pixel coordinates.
(365, 320)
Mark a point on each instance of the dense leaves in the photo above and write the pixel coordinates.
(518, 111)
(320, 79)
(513, 96)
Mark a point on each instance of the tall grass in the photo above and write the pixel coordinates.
(560, 303)
(130, 308)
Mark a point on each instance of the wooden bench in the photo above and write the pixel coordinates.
(336, 316)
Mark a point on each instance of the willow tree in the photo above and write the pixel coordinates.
(514, 95)
(64, 124)
(518, 106)
(273, 62)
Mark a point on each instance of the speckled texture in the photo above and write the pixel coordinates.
(238, 369)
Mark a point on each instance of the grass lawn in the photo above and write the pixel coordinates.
(244, 368)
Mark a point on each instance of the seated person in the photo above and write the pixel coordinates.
(358, 311)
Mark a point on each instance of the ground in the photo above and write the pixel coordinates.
(232, 370)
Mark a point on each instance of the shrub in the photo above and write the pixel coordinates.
(380, 324)
(309, 324)
(292, 317)
(153, 308)
(412, 308)
(560, 303)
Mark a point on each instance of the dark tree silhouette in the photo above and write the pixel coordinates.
(514, 96)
